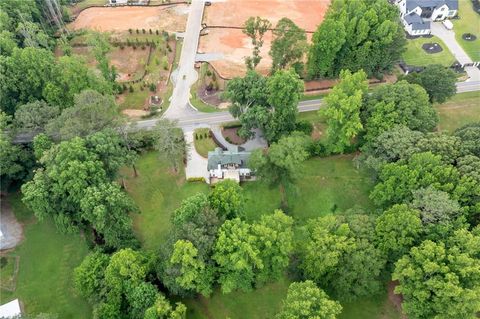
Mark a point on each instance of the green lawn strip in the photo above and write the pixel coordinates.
(157, 191)
(309, 97)
(469, 22)
(203, 142)
(194, 99)
(415, 55)
(373, 307)
(7, 272)
(47, 260)
(462, 109)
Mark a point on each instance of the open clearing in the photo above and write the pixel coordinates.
(234, 45)
(462, 109)
(417, 56)
(169, 18)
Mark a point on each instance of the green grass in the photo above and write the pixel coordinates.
(47, 260)
(7, 272)
(469, 22)
(415, 55)
(374, 307)
(157, 191)
(462, 109)
(203, 144)
(309, 97)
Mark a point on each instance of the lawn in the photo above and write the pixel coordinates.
(265, 302)
(469, 22)
(415, 55)
(462, 109)
(203, 142)
(47, 260)
(157, 191)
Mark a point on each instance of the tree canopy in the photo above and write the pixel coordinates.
(288, 46)
(438, 81)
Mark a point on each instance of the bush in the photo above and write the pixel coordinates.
(143, 47)
(196, 179)
(152, 87)
(156, 32)
(227, 138)
(150, 31)
(317, 148)
(130, 89)
(143, 31)
(305, 127)
(215, 85)
(208, 73)
(130, 31)
(122, 47)
(137, 31)
(165, 63)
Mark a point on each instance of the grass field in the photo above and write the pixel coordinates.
(203, 142)
(47, 260)
(415, 55)
(462, 109)
(157, 191)
(469, 22)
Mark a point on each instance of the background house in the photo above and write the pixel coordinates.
(416, 15)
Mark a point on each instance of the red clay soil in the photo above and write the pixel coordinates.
(234, 45)
(170, 18)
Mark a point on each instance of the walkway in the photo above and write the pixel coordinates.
(448, 37)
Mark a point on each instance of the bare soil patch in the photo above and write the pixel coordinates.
(129, 62)
(395, 299)
(170, 18)
(234, 45)
(134, 113)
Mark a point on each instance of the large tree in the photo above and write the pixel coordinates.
(227, 198)
(268, 104)
(343, 110)
(34, 116)
(92, 112)
(255, 28)
(170, 142)
(361, 34)
(280, 163)
(470, 135)
(401, 103)
(305, 301)
(288, 46)
(441, 279)
(437, 80)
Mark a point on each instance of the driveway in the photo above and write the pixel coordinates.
(196, 164)
(185, 75)
(448, 37)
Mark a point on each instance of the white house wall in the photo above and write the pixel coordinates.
(440, 13)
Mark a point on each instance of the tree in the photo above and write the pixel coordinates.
(398, 180)
(140, 297)
(341, 261)
(441, 279)
(343, 110)
(162, 309)
(275, 244)
(305, 300)
(107, 209)
(470, 135)
(24, 76)
(7, 42)
(447, 146)
(357, 35)
(397, 230)
(41, 144)
(101, 46)
(285, 89)
(126, 267)
(33, 35)
(397, 143)
(435, 206)
(89, 276)
(170, 142)
(288, 46)
(227, 198)
(237, 256)
(327, 41)
(92, 112)
(469, 165)
(437, 80)
(189, 208)
(34, 116)
(281, 162)
(193, 275)
(255, 28)
(269, 104)
(401, 103)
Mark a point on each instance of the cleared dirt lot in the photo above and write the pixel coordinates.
(169, 18)
(234, 45)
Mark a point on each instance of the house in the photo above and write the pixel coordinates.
(117, 2)
(416, 15)
(10, 310)
(229, 164)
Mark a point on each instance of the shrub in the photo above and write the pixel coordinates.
(143, 31)
(130, 89)
(153, 87)
(150, 31)
(305, 127)
(122, 47)
(143, 47)
(156, 32)
(130, 31)
(227, 138)
(165, 63)
(214, 76)
(208, 73)
(137, 31)
(317, 148)
(196, 179)
(215, 85)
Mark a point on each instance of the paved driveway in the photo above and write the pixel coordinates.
(448, 37)
(196, 164)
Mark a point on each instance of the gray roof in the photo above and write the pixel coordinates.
(231, 156)
(412, 4)
(417, 22)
